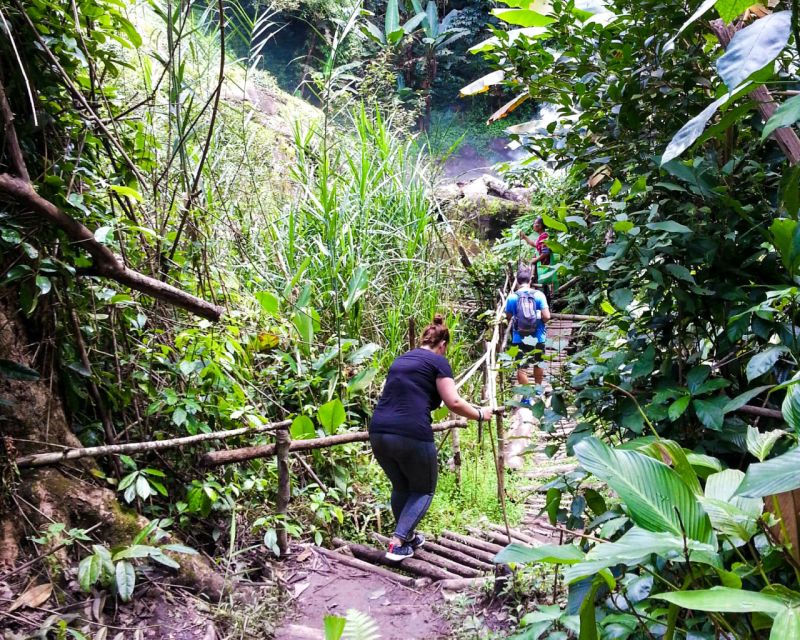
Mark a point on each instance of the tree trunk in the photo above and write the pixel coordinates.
(32, 410)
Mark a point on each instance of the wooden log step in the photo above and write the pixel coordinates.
(350, 561)
(519, 536)
(493, 536)
(472, 542)
(465, 583)
(444, 563)
(457, 556)
(483, 556)
(412, 565)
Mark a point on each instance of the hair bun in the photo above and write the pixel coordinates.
(438, 319)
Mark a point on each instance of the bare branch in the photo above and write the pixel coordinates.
(106, 263)
(14, 150)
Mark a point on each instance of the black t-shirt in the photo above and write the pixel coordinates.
(410, 395)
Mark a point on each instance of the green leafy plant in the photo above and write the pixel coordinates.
(116, 567)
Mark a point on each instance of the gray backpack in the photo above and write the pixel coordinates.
(525, 316)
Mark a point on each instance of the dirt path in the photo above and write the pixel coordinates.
(322, 586)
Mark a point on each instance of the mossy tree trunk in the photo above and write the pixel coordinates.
(33, 419)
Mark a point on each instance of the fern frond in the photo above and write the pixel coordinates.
(360, 626)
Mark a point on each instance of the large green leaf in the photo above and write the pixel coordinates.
(711, 412)
(655, 496)
(729, 10)
(724, 600)
(634, 547)
(548, 553)
(786, 238)
(691, 131)
(760, 444)
(671, 453)
(670, 226)
(754, 47)
(16, 371)
(125, 578)
(785, 116)
(731, 515)
(677, 408)
(773, 476)
(523, 17)
(392, 21)
(701, 10)
(334, 627)
(302, 428)
(331, 415)
(745, 397)
(587, 615)
(490, 44)
(786, 625)
(361, 380)
(89, 571)
(358, 284)
(791, 405)
(482, 84)
(763, 362)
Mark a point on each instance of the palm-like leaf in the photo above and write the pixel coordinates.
(655, 496)
(773, 476)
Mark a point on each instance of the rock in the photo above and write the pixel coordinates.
(475, 189)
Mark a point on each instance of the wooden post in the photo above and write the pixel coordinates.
(412, 333)
(501, 457)
(457, 455)
(282, 443)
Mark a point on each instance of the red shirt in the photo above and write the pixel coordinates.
(540, 247)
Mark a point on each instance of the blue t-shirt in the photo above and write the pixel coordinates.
(410, 394)
(540, 302)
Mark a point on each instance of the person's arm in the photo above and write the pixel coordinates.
(525, 237)
(449, 395)
(544, 309)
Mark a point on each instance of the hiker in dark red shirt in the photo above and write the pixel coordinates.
(543, 252)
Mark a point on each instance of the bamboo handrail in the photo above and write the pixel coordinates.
(42, 459)
(229, 456)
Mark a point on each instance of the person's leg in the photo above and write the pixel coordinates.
(420, 466)
(385, 451)
(538, 371)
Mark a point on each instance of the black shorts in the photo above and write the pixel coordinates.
(528, 353)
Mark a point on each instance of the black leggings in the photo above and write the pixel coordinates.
(412, 468)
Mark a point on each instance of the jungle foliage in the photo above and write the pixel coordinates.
(318, 240)
(683, 229)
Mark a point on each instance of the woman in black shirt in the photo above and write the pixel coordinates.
(401, 435)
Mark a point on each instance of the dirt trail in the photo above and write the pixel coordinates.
(322, 586)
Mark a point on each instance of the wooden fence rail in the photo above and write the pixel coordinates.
(231, 456)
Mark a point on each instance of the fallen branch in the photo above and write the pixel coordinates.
(761, 411)
(215, 458)
(42, 459)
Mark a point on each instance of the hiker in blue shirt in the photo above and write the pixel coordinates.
(529, 312)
